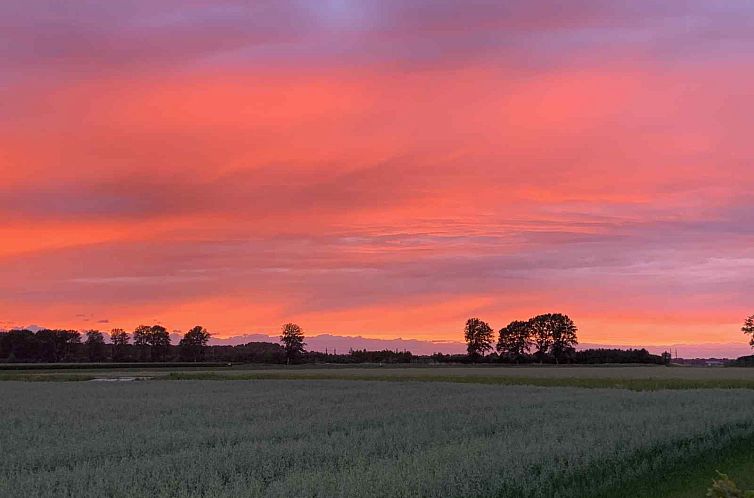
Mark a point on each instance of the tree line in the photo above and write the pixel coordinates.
(145, 343)
(543, 338)
(547, 338)
(152, 343)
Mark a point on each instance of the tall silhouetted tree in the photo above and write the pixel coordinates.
(141, 336)
(293, 341)
(119, 339)
(159, 342)
(514, 340)
(95, 345)
(554, 335)
(542, 334)
(193, 343)
(478, 336)
(748, 328)
(563, 337)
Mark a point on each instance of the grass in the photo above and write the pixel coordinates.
(653, 470)
(460, 376)
(337, 438)
(692, 478)
(648, 384)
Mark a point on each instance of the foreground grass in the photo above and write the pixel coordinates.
(692, 478)
(336, 438)
(648, 384)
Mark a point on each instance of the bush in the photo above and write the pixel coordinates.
(724, 487)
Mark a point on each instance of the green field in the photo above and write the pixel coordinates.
(640, 377)
(366, 438)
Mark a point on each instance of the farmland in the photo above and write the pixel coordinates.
(347, 438)
(630, 377)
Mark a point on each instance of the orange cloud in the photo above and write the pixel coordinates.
(382, 176)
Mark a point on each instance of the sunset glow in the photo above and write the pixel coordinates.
(379, 168)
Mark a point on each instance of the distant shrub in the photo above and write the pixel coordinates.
(744, 361)
(724, 487)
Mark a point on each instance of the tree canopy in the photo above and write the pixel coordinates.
(119, 339)
(748, 328)
(478, 336)
(159, 342)
(541, 335)
(563, 337)
(292, 338)
(193, 343)
(554, 335)
(95, 345)
(514, 340)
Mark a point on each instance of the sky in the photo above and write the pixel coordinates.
(379, 168)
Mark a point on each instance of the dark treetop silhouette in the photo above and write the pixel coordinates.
(547, 338)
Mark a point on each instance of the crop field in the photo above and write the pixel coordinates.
(331, 438)
(628, 377)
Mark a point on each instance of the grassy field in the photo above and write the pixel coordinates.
(545, 377)
(345, 438)
(411, 370)
(625, 377)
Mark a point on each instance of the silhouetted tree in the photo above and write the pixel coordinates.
(159, 342)
(514, 340)
(255, 352)
(563, 337)
(541, 327)
(384, 356)
(56, 345)
(193, 343)
(603, 355)
(19, 345)
(67, 340)
(478, 336)
(293, 341)
(554, 335)
(142, 341)
(119, 339)
(748, 328)
(47, 346)
(95, 345)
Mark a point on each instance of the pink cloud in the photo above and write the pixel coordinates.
(380, 169)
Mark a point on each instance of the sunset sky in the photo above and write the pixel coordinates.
(384, 168)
